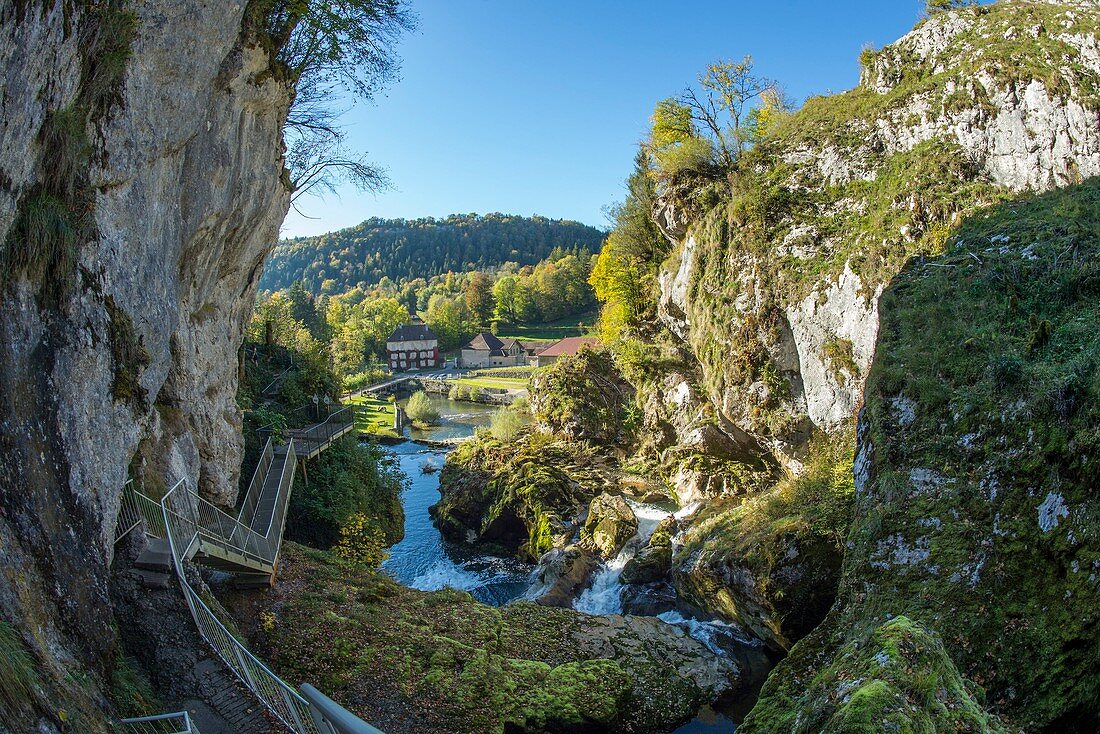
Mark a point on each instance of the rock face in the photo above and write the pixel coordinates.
(976, 510)
(774, 292)
(782, 315)
(610, 524)
(128, 331)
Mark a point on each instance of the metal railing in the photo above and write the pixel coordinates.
(208, 527)
(177, 723)
(301, 716)
(322, 434)
(191, 524)
(256, 486)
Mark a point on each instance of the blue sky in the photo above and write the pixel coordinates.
(537, 106)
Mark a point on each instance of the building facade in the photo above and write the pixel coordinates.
(413, 347)
(488, 350)
(565, 348)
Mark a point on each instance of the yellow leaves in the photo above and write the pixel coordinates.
(361, 543)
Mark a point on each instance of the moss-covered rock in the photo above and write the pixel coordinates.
(521, 497)
(893, 678)
(976, 512)
(653, 562)
(609, 525)
(584, 397)
(440, 663)
(771, 562)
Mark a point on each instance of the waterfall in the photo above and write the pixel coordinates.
(604, 596)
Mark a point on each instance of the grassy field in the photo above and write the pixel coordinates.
(375, 415)
(552, 332)
(503, 383)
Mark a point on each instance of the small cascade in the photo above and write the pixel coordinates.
(604, 596)
(719, 636)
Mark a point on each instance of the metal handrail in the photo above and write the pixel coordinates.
(186, 522)
(256, 486)
(330, 716)
(278, 696)
(174, 723)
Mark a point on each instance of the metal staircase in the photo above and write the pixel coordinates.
(182, 526)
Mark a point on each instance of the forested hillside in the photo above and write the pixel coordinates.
(401, 249)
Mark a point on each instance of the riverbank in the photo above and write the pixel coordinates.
(425, 561)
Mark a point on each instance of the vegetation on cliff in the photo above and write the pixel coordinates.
(975, 511)
(771, 561)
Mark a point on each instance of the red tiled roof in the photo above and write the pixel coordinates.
(569, 346)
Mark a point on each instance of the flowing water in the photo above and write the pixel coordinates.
(424, 560)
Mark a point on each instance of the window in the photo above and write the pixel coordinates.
(393, 363)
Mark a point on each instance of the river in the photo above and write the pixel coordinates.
(424, 560)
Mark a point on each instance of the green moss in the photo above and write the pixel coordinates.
(130, 357)
(896, 677)
(449, 664)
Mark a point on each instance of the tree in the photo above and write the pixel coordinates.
(715, 119)
(624, 273)
(324, 48)
(479, 296)
(450, 320)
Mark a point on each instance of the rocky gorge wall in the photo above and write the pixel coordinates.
(781, 311)
(796, 278)
(140, 188)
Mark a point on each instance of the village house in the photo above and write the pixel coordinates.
(565, 348)
(413, 346)
(487, 350)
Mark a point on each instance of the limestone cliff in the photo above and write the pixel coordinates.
(140, 186)
(774, 282)
(976, 515)
(776, 288)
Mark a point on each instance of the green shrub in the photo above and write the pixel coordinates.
(420, 409)
(507, 424)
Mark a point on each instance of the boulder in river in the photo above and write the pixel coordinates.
(653, 562)
(566, 572)
(611, 523)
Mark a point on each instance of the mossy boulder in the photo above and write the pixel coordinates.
(610, 524)
(976, 512)
(653, 562)
(521, 497)
(412, 662)
(894, 678)
(584, 397)
(565, 573)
